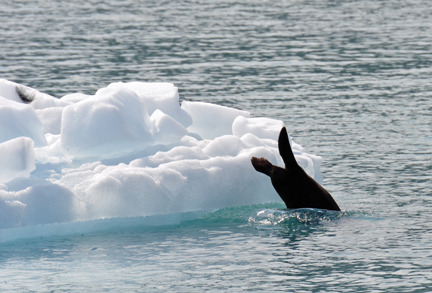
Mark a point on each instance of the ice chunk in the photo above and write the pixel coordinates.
(158, 95)
(17, 119)
(8, 90)
(12, 211)
(37, 99)
(209, 183)
(104, 156)
(210, 120)
(75, 97)
(227, 145)
(51, 119)
(113, 121)
(17, 158)
(53, 152)
(24, 94)
(124, 192)
(176, 186)
(260, 127)
(38, 204)
(165, 129)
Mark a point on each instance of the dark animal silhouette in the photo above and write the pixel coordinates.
(26, 94)
(296, 188)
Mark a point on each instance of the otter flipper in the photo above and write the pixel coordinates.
(285, 150)
(262, 165)
(295, 187)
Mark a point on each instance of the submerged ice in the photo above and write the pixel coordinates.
(131, 149)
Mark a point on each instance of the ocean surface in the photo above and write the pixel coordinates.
(352, 80)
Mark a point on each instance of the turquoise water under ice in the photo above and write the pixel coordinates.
(352, 80)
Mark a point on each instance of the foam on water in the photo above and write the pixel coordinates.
(129, 150)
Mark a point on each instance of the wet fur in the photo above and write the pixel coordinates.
(296, 188)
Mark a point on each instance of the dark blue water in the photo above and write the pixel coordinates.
(352, 80)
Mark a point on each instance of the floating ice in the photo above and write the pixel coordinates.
(166, 129)
(260, 127)
(158, 95)
(8, 90)
(211, 121)
(24, 94)
(17, 119)
(129, 150)
(51, 119)
(17, 158)
(113, 121)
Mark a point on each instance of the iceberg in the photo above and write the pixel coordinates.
(130, 150)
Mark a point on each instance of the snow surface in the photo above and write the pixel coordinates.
(129, 150)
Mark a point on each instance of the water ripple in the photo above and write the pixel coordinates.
(351, 81)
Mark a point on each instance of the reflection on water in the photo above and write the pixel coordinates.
(259, 247)
(350, 79)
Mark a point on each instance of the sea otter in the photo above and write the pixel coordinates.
(296, 188)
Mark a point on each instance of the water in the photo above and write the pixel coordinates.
(350, 79)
